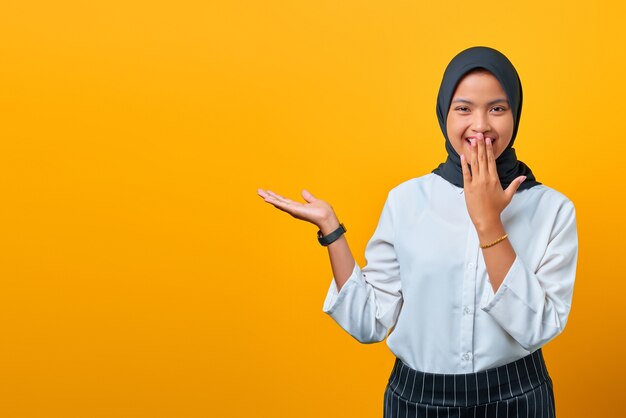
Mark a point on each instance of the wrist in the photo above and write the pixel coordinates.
(328, 239)
(487, 232)
(329, 224)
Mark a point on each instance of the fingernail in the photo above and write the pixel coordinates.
(488, 141)
(524, 179)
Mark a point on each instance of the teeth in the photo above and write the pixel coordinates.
(468, 139)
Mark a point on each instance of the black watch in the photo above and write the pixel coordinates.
(332, 237)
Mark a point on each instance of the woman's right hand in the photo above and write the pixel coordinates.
(315, 211)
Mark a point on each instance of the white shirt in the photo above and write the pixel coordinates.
(425, 278)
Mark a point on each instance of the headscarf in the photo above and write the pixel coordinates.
(508, 166)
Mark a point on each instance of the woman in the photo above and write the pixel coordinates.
(472, 265)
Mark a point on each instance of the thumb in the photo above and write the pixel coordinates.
(510, 191)
(308, 196)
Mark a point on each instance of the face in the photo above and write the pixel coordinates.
(479, 105)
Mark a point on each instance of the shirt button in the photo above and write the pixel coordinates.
(470, 265)
(467, 356)
(467, 310)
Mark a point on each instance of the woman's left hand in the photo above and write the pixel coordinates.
(484, 196)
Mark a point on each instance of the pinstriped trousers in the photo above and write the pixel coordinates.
(520, 389)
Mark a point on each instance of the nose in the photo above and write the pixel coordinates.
(480, 122)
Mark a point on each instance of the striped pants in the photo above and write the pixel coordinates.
(521, 389)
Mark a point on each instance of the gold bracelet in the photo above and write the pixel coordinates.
(502, 238)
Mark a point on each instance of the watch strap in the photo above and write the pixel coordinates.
(326, 240)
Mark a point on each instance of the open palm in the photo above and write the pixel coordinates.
(314, 210)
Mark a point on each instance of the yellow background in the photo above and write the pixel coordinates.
(142, 276)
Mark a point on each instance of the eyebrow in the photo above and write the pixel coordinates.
(460, 100)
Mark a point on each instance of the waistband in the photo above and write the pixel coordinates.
(470, 389)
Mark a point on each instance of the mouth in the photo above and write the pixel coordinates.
(493, 140)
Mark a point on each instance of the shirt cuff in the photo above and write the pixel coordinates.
(489, 298)
(334, 297)
(517, 293)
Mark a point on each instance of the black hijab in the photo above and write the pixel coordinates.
(509, 167)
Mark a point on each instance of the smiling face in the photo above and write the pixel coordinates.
(479, 106)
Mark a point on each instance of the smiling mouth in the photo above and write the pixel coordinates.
(469, 142)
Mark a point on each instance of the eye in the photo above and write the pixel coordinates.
(462, 108)
(499, 109)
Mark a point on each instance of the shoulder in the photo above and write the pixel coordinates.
(545, 206)
(545, 196)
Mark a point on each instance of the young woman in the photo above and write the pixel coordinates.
(471, 266)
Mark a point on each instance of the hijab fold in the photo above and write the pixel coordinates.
(508, 166)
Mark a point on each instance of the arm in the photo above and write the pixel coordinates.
(365, 303)
(500, 257)
(368, 303)
(533, 306)
(341, 259)
(485, 201)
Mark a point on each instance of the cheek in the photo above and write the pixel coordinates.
(506, 128)
(454, 129)
(455, 135)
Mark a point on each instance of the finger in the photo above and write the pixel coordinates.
(474, 157)
(482, 154)
(279, 197)
(276, 200)
(286, 205)
(308, 196)
(263, 193)
(275, 195)
(510, 191)
(467, 177)
(491, 158)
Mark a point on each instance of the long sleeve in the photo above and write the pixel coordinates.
(369, 302)
(533, 306)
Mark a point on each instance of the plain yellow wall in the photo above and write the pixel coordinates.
(142, 276)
